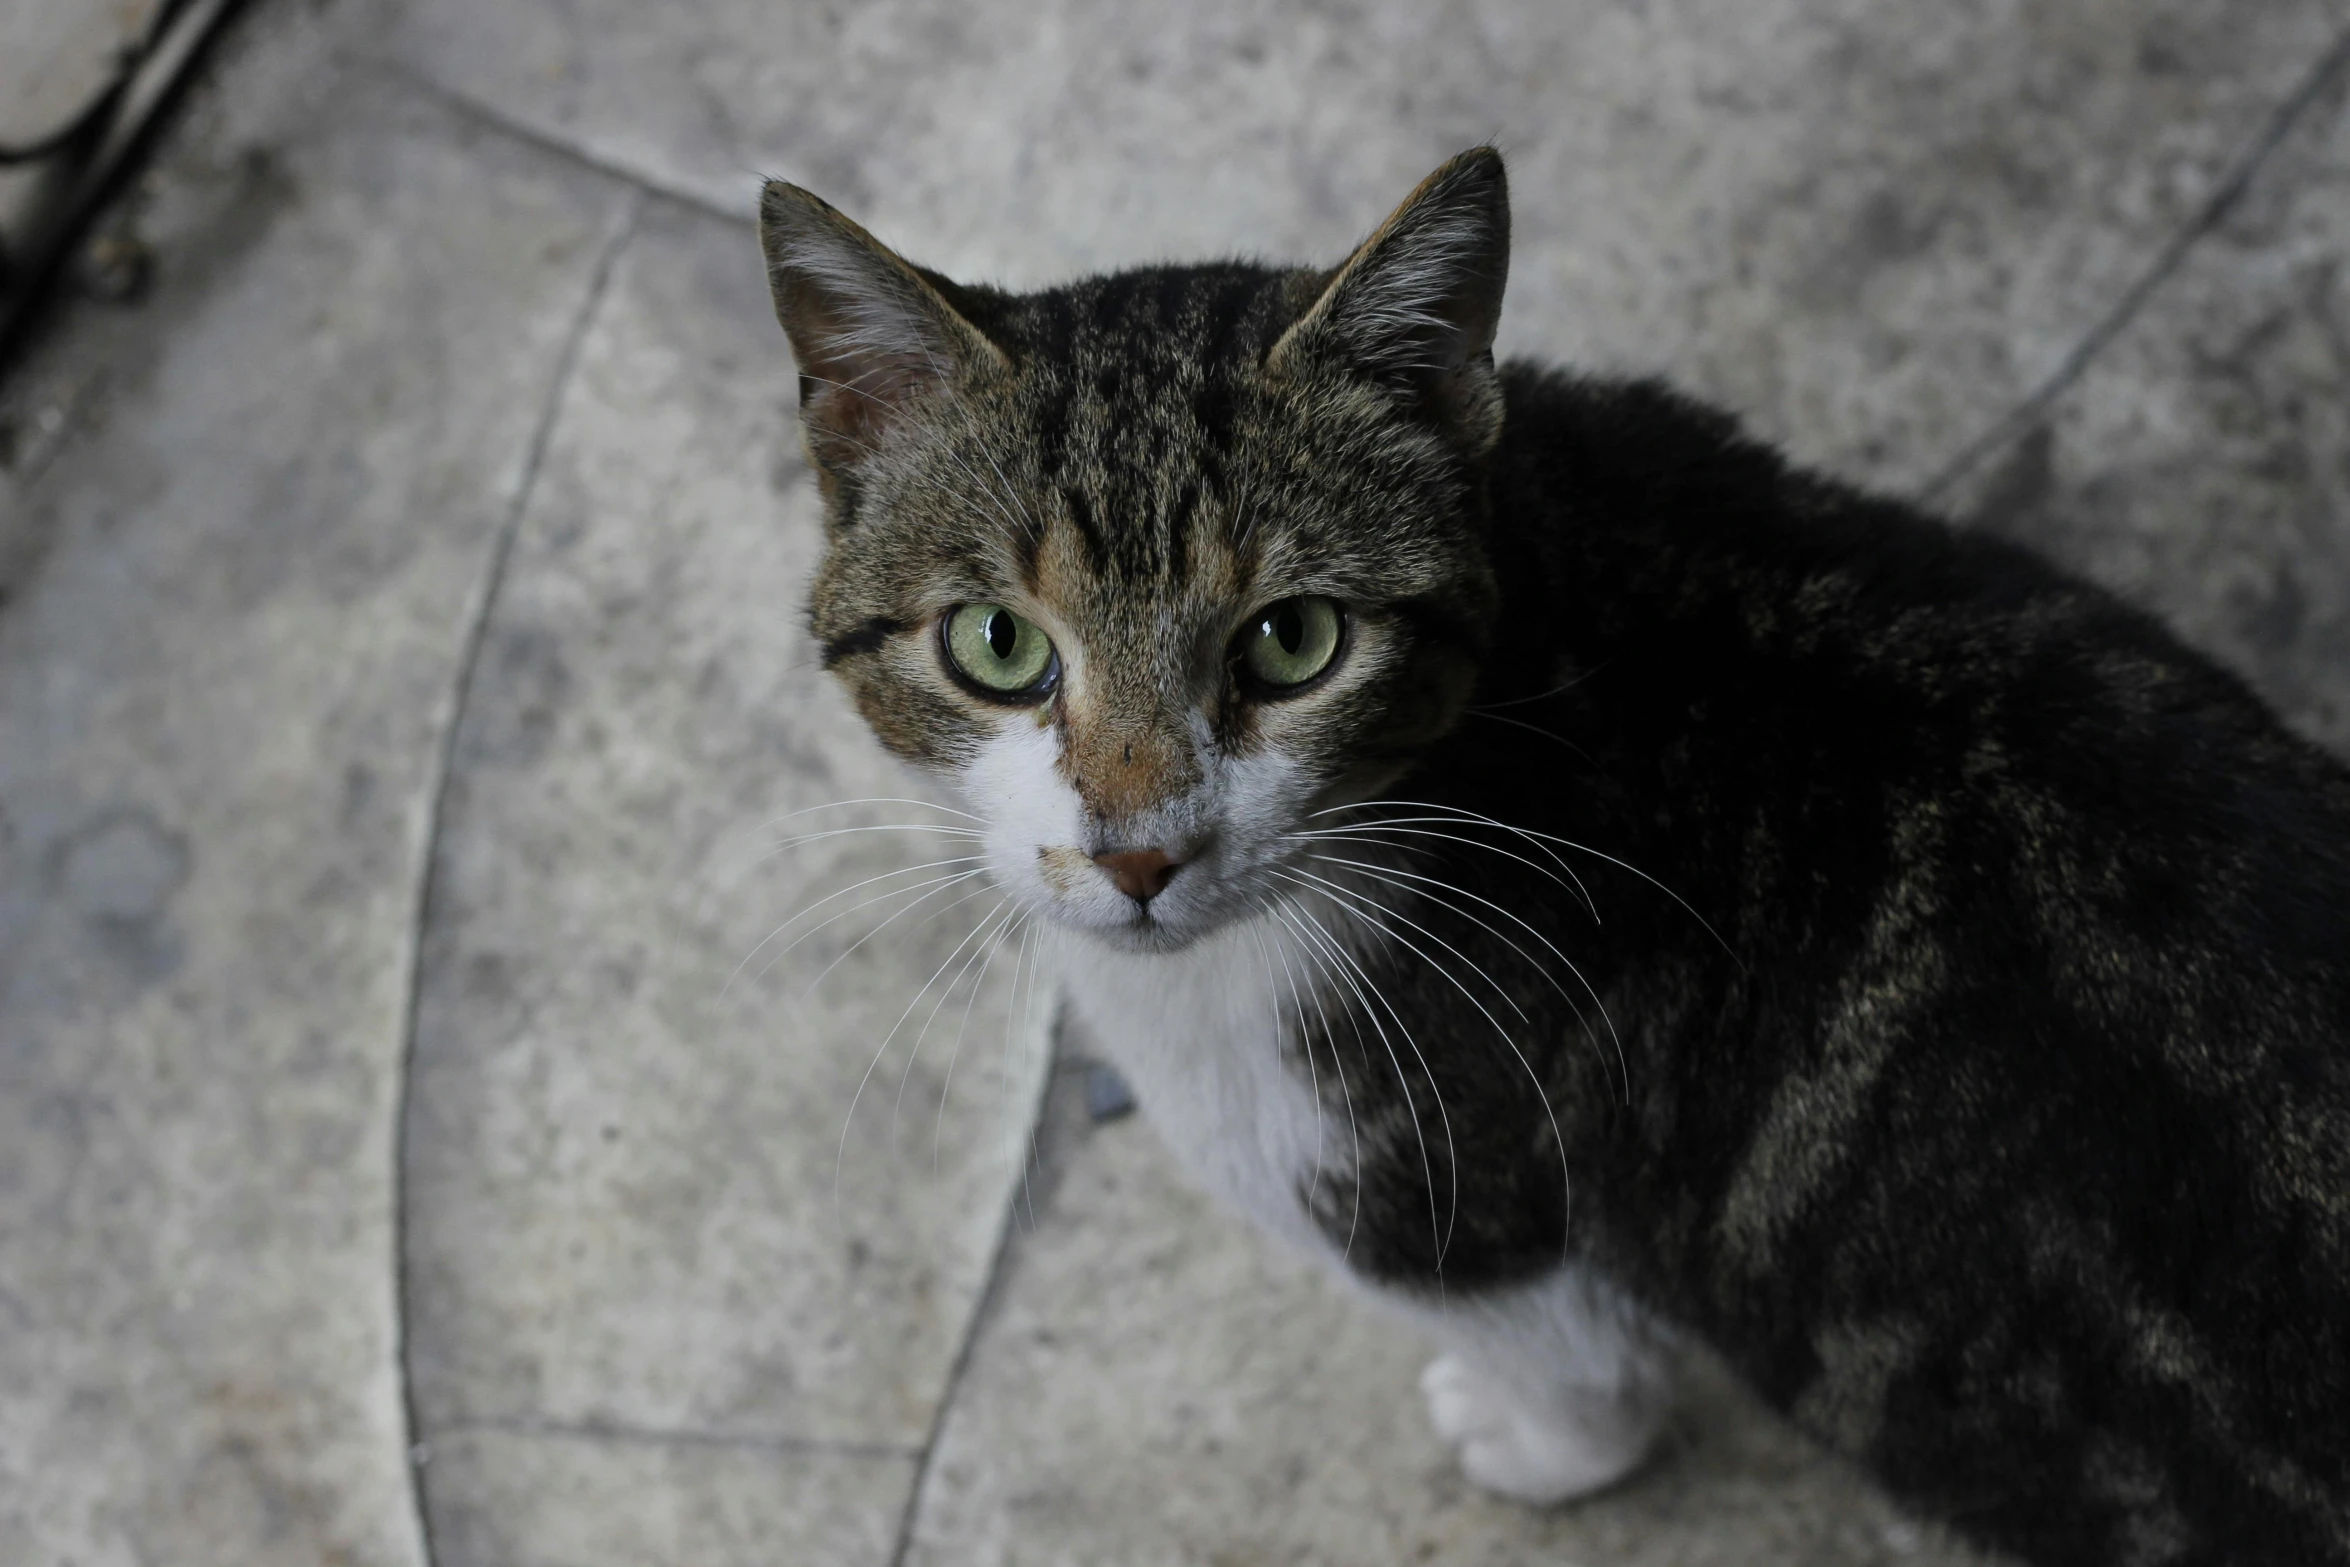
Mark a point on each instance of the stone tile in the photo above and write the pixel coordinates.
(243, 530)
(2202, 465)
(547, 1499)
(625, 1120)
(1155, 1384)
(244, 559)
(1870, 229)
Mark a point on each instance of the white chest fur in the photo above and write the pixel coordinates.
(1202, 1036)
(1553, 1387)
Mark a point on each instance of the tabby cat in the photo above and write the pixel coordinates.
(1601, 887)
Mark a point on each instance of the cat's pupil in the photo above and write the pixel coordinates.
(1289, 628)
(1001, 634)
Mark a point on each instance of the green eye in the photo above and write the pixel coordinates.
(1292, 641)
(999, 652)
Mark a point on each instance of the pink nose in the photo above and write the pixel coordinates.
(1141, 874)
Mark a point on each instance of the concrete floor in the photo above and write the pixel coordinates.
(400, 687)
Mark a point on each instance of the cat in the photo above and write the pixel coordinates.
(1602, 888)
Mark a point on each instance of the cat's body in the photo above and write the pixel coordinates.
(1594, 885)
(2061, 1257)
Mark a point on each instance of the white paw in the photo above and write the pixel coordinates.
(1538, 1445)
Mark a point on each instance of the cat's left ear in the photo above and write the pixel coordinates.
(875, 337)
(1415, 307)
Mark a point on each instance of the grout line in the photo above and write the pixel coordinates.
(606, 1431)
(2215, 209)
(476, 633)
(415, 83)
(982, 1308)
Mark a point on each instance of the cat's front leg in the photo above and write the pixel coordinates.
(1550, 1392)
(1542, 1441)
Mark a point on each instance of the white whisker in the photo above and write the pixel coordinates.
(1566, 1179)
(840, 1156)
(803, 913)
(1350, 970)
(1026, 1124)
(947, 1082)
(786, 845)
(842, 805)
(1338, 1062)
(1403, 824)
(941, 829)
(1533, 729)
(986, 948)
(1544, 696)
(1581, 848)
(1389, 874)
(1306, 1041)
(937, 913)
(1366, 904)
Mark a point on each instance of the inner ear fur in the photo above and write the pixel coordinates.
(873, 335)
(1417, 304)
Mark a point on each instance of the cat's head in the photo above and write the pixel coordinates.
(1154, 567)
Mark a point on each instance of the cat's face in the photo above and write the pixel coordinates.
(1156, 567)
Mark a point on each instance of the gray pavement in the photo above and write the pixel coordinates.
(403, 706)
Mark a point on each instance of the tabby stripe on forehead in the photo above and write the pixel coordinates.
(1081, 514)
(1179, 522)
(1117, 296)
(1051, 433)
(1213, 407)
(866, 638)
(1174, 292)
(1229, 305)
(848, 501)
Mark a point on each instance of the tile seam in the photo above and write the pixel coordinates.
(2242, 172)
(413, 1438)
(982, 1307)
(653, 1436)
(408, 79)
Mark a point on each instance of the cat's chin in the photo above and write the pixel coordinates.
(1143, 935)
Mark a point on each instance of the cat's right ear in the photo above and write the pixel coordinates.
(873, 336)
(1416, 306)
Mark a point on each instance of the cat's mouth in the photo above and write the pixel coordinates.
(1151, 932)
(1125, 908)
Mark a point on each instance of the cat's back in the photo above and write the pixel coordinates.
(2024, 1164)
